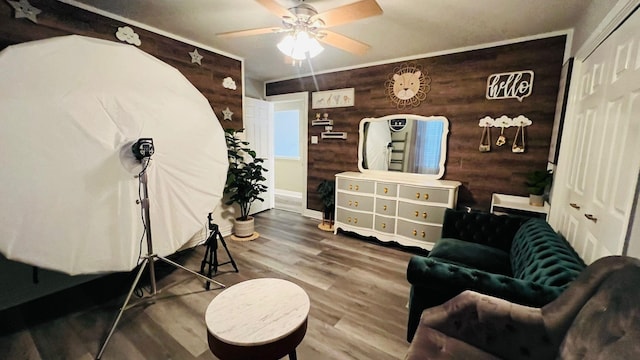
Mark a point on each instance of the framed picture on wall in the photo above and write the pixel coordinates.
(332, 98)
(561, 108)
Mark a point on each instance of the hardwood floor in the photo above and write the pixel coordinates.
(358, 293)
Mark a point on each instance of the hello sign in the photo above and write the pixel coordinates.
(517, 85)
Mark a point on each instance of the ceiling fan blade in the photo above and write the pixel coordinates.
(342, 42)
(275, 8)
(348, 13)
(250, 32)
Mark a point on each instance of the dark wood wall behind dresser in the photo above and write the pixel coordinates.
(458, 87)
(58, 19)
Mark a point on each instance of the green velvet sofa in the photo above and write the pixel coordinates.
(518, 259)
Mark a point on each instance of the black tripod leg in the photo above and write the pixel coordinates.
(224, 244)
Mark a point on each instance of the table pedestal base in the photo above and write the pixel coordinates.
(270, 351)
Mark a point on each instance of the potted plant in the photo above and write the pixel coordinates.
(326, 189)
(537, 183)
(244, 181)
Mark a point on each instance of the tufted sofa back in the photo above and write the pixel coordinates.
(540, 255)
(481, 228)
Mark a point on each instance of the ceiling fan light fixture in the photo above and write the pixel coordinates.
(300, 45)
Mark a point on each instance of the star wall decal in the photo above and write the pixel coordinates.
(227, 114)
(195, 57)
(25, 10)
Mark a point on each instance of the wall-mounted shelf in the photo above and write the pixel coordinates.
(333, 135)
(517, 205)
(321, 122)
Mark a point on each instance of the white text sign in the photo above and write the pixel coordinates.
(517, 85)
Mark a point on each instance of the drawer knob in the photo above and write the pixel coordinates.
(356, 204)
(350, 187)
(417, 195)
(424, 234)
(355, 220)
(386, 190)
(357, 187)
(575, 206)
(424, 215)
(349, 219)
(384, 207)
(417, 213)
(426, 196)
(350, 202)
(384, 225)
(415, 232)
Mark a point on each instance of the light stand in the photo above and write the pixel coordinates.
(143, 149)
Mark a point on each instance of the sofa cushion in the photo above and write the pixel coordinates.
(476, 256)
(540, 255)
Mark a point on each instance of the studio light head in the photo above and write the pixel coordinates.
(143, 148)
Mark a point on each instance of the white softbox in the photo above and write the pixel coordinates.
(70, 108)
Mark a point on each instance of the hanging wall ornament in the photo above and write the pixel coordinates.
(196, 57)
(408, 86)
(521, 122)
(503, 121)
(25, 10)
(128, 35)
(485, 140)
(227, 114)
(228, 83)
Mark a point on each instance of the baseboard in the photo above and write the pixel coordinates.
(288, 200)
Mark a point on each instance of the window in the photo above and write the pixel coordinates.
(287, 133)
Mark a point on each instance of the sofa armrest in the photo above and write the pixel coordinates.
(494, 325)
(431, 272)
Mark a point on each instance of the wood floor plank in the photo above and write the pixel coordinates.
(358, 293)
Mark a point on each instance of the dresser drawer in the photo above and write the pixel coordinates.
(418, 231)
(386, 207)
(354, 218)
(356, 202)
(386, 189)
(426, 194)
(385, 224)
(362, 186)
(422, 213)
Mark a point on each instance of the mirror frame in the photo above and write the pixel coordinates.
(443, 146)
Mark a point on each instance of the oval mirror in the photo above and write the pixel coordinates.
(404, 144)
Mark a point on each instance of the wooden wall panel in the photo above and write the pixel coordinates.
(58, 19)
(457, 92)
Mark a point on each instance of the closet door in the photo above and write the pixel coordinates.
(598, 175)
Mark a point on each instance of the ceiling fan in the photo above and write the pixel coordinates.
(304, 25)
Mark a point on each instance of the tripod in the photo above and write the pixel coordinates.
(149, 260)
(211, 252)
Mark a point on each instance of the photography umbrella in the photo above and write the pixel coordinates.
(70, 108)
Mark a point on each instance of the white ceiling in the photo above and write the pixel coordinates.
(406, 28)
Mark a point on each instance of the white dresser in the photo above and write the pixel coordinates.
(406, 210)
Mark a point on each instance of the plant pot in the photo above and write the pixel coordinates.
(244, 228)
(536, 200)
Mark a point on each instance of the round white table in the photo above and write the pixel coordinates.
(257, 319)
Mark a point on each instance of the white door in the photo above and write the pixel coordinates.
(258, 124)
(596, 178)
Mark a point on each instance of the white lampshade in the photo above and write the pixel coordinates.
(300, 45)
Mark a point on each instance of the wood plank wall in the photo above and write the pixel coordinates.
(58, 19)
(458, 88)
